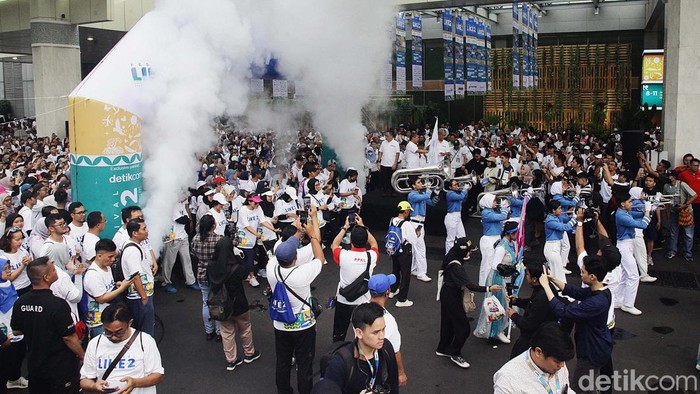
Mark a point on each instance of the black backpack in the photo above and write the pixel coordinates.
(117, 272)
(346, 350)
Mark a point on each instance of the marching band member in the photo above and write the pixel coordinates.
(453, 220)
(555, 230)
(557, 191)
(492, 222)
(626, 225)
(419, 198)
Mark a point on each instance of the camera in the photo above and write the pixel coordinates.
(509, 274)
(303, 216)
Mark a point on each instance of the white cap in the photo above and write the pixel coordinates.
(218, 197)
(292, 192)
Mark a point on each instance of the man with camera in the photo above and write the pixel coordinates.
(356, 265)
(368, 364)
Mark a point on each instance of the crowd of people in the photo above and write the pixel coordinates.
(272, 212)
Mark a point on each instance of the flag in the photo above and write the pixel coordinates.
(433, 148)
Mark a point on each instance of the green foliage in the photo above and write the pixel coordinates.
(380, 115)
(597, 125)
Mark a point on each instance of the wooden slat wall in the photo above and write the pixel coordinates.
(571, 77)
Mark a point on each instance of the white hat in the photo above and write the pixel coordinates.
(218, 197)
(200, 184)
(291, 192)
(209, 192)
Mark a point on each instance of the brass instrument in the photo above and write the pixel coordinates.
(502, 195)
(659, 200)
(436, 177)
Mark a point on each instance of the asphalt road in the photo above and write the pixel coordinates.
(663, 341)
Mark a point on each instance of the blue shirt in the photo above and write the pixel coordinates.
(419, 202)
(566, 203)
(593, 338)
(492, 221)
(637, 210)
(626, 224)
(516, 206)
(455, 199)
(554, 227)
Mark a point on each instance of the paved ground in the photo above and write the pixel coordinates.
(663, 341)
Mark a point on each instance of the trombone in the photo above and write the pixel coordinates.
(503, 195)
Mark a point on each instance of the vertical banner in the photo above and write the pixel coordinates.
(489, 64)
(471, 42)
(525, 46)
(400, 50)
(516, 47)
(481, 57)
(417, 51)
(536, 71)
(459, 57)
(280, 88)
(448, 55)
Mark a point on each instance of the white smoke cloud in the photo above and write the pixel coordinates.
(201, 56)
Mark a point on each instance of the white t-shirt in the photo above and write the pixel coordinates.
(391, 331)
(97, 282)
(252, 218)
(346, 187)
(141, 360)
(412, 156)
(299, 279)
(236, 205)
(178, 230)
(389, 149)
(120, 237)
(22, 280)
(76, 232)
(352, 264)
(65, 289)
(89, 242)
(132, 262)
(220, 220)
(284, 208)
(26, 214)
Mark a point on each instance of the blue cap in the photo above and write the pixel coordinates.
(286, 252)
(380, 283)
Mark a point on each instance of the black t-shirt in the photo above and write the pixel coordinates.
(477, 166)
(45, 319)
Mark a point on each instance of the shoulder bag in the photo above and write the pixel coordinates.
(315, 306)
(121, 354)
(359, 286)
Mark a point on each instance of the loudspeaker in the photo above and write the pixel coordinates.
(632, 142)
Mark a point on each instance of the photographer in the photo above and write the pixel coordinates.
(353, 264)
(536, 308)
(593, 338)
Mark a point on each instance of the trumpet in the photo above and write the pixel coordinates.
(660, 200)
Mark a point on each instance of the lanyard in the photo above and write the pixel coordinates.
(544, 382)
(373, 370)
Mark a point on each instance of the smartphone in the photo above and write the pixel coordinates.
(303, 217)
(419, 228)
(352, 219)
(134, 275)
(110, 389)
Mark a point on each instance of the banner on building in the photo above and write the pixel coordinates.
(481, 57)
(400, 51)
(489, 65)
(448, 55)
(471, 46)
(417, 51)
(459, 57)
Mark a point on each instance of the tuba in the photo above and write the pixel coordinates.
(434, 177)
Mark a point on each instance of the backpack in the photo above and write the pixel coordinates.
(219, 303)
(117, 272)
(280, 307)
(346, 350)
(393, 239)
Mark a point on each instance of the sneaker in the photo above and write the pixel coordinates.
(253, 282)
(689, 259)
(670, 255)
(249, 359)
(262, 273)
(392, 294)
(440, 354)
(230, 366)
(404, 304)
(194, 286)
(424, 278)
(502, 337)
(210, 336)
(460, 361)
(631, 310)
(650, 261)
(648, 279)
(20, 383)
(169, 288)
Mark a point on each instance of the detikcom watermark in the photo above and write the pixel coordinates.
(628, 380)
